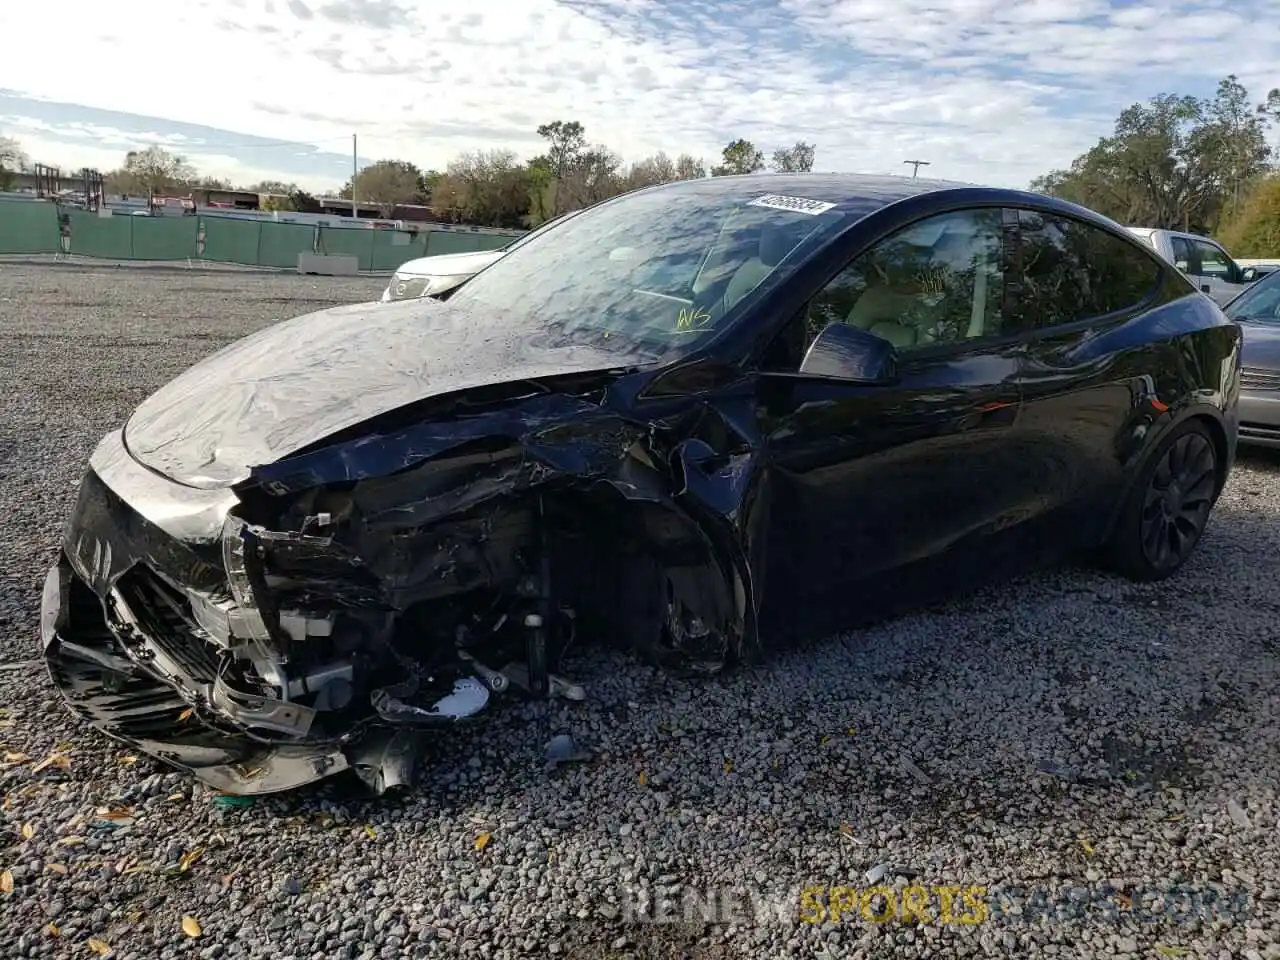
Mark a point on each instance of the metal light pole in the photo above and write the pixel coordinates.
(916, 165)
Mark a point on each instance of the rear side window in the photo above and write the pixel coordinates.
(1067, 270)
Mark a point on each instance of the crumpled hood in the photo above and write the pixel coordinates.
(293, 384)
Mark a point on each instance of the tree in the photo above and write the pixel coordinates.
(740, 156)
(651, 171)
(211, 183)
(1236, 136)
(566, 147)
(387, 183)
(1254, 228)
(304, 202)
(429, 180)
(565, 141)
(1174, 161)
(490, 188)
(596, 175)
(690, 168)
(12, 161)
(290, 201)
(795, 159)
(273, 186)
(542, 191)
(151, 171)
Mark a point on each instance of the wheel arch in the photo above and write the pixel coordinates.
(1215, 425)
(1221, 444)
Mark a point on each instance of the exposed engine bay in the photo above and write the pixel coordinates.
(348, 604)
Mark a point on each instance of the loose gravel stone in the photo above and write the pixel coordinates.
(1099, 756)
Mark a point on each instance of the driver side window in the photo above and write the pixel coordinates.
(939, 280)
(1213, 262)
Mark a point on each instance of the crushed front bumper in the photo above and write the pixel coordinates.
(124, 649)
(123, 697)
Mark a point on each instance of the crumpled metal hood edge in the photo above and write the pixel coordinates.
(291, 385)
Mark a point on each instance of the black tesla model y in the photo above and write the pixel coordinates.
(694, 419)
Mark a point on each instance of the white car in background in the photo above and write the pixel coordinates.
(445, 272)
(432, 276)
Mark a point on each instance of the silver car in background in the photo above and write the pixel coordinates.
(1257, 310)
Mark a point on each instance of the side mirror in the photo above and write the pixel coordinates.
(849, 353)
(1205, 288)
(1248, 275)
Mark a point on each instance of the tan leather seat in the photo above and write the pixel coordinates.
(898, 334)
(745, 279)
(775, 243)
(883, 312)
(879, 304)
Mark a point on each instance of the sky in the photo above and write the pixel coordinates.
(988, 91)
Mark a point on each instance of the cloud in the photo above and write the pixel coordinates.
(989, 91)
(379, 14)
(90, 153)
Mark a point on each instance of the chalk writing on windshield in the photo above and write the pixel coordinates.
(692, 318)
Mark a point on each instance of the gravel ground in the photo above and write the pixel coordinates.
(1077, 745)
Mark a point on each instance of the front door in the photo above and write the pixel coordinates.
(866, 481)
(1216, 270)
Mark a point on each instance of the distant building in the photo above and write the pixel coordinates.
(227, 199)
(338, 207)
(413, 211)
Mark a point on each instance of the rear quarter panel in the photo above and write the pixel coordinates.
(1191, 355)
(1097, 401)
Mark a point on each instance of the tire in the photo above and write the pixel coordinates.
(1168, 508)
(657, 633)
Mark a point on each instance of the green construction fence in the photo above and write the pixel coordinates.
(33, 228)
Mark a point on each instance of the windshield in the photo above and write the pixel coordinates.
(1259, 303)
(658, 270)
(524, 238)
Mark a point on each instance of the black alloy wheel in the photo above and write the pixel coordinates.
(1169, 507)
(1179, 498)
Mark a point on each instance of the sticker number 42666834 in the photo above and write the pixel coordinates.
(794, 204)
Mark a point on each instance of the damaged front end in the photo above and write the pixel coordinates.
(327, 612)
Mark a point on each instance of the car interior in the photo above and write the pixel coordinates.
(932, 283)
(916, 311)
(937, 281)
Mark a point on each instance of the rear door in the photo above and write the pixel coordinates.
(1080, 385)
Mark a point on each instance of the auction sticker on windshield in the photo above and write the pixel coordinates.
(794, 204)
